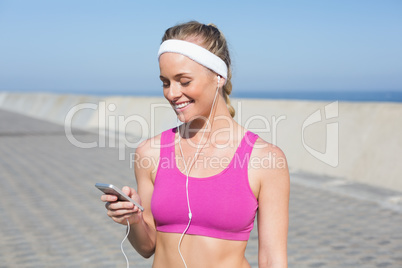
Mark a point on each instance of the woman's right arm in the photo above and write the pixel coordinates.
(142, 227)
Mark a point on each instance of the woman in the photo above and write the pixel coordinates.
(210, 178)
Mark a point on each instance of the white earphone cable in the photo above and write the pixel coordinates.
(190, 215)
(121, 245)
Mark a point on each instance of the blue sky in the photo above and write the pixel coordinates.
(111, 46)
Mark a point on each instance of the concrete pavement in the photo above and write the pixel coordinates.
(51, 215)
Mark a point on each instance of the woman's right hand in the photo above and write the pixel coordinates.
(121, 211)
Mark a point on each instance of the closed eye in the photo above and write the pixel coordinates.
(185, 84)
(165, 82)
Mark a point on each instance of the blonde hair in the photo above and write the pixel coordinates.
(213, 40)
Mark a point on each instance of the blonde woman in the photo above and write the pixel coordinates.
(209, 181)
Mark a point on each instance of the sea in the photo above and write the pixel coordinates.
(351, 96)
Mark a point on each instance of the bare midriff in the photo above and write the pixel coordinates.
(198, 252)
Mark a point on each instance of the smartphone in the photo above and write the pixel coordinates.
(111, 189)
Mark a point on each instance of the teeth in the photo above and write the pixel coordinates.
(181, 105)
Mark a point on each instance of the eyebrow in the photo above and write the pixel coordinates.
(177, 75)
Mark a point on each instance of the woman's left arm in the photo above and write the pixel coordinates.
(273, 210)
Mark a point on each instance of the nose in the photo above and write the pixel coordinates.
(173, 92)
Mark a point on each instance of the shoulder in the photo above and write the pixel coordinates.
(268, 162)
(147, 154)
(264, 150)
(151, 146)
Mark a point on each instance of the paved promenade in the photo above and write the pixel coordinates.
(51, 214)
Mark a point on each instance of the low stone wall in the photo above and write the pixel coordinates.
(356, 141)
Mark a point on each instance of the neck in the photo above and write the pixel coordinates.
(219, 120)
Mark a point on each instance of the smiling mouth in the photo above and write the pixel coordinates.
(182, 105)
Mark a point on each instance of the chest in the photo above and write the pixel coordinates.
(207, 162)
(213, 161)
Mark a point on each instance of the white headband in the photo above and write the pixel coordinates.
(196, 53)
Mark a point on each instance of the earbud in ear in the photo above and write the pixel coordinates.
(219, 79)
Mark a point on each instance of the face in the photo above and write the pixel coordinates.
(188, 86)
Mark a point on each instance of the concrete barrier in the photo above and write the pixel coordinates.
(356, 141)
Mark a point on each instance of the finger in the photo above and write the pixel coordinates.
(127, 190)
(131, 192)
(108, 198)
(122, 212)
(122, 219)
(121, 205)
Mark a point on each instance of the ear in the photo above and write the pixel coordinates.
(221, 81)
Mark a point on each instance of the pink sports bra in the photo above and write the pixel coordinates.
(223, 205)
